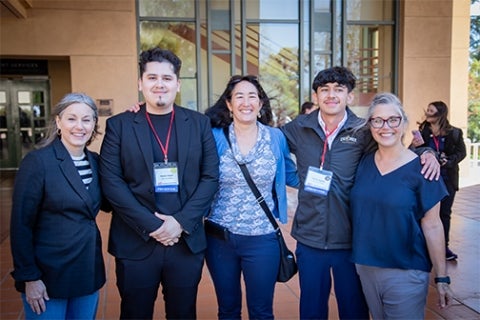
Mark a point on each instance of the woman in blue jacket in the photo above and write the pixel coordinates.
(55, 241)
(248, 244)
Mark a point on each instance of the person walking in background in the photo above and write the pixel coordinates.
(447, 140)
(159, 169)
(307, 107)
(397, 232)
(328, 149)
(248, 244)
(55, 241)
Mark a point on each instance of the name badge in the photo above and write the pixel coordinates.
(165, 176)
(318, 181)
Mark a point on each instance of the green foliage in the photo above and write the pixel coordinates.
(473, 132)
(279, 79)
(475, 35)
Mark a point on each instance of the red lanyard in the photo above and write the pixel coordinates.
(164, 148)
(436, 141)
(325, 144)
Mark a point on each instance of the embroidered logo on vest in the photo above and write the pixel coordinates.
(348, 139)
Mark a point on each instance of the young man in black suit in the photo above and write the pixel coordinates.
(159, 169)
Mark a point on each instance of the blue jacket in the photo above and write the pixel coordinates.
(286, 173)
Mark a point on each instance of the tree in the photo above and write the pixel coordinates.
(473, 132)
(279, 78)
(475, 35)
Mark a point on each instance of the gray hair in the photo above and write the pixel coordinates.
(386, 98)
(64, 103)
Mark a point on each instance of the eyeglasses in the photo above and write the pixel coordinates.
(392, 122)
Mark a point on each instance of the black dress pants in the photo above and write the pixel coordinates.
(175, 268)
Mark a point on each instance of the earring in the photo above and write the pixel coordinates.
(59, 132)
(259, 115)
(231, 114)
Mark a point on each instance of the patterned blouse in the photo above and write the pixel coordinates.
(234, 205)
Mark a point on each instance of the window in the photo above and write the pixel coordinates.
(370, 48)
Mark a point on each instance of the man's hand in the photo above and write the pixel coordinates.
(431, 167)
(36, 294)
(170, 231)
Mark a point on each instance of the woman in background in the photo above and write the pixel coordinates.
(447, 140)
(55, 241)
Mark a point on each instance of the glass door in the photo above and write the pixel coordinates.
(24, 114)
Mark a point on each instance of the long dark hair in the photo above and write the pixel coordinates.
(220, 115)
(442, 114)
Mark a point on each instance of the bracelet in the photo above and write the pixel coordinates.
(442, 280)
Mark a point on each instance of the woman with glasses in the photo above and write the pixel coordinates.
(397, 232)
(447, 141)
(246, 244)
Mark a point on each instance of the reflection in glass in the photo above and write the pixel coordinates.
(369, 56)
(275, 55)
(322, 29)
(321, 61)
(23, 97)
(373, 10)
(271, 9)
(38, 97)
(3, 133)
(178, 37)
(3, 117)
(221, 63)
(25, 114)
(170, 9)
(187, 97)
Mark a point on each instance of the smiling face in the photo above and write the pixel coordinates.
(76, 124)
(159, 85)
(385, 135)
(332, 99)
(245, 103)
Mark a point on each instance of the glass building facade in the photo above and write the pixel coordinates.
(284, 42)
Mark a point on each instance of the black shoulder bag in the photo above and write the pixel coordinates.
(288, 266)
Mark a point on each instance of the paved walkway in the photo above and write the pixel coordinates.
(465, 273)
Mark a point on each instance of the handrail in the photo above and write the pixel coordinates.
(473, 151)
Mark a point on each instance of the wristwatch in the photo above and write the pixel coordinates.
(442, 280)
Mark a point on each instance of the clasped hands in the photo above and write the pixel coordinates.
(170, 231)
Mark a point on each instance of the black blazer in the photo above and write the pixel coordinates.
(126, 168)
(455, 150)
(54, 236)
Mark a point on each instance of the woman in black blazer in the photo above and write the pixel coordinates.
(447, 140)
(55, 241)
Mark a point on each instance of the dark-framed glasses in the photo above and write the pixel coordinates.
(392, 122)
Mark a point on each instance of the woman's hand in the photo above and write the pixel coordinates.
(135, 108)
(445, 294)
(36, 295)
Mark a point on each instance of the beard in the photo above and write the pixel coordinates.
(160, 103)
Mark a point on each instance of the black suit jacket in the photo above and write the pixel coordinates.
(126, 168)
(53, 232)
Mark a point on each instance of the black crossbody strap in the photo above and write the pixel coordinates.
(253, 187)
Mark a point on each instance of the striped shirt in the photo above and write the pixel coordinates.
(84, 169)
